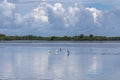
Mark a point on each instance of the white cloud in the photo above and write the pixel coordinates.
(71, 19)
(96, 13)
(7, 9)
(6, 14)
(110, 22)
(58, 9)
(54, 18)
(39, 15)
(18, 19)
(37, 18)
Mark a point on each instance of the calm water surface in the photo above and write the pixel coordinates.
(45, 61)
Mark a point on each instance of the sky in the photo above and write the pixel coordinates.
(60, 17)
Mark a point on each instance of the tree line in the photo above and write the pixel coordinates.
(80, 37)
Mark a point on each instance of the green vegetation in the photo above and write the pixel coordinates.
(80, 37)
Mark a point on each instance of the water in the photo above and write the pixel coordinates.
(33, 61)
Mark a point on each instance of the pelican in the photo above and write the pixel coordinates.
(49, 51)
(56, 51)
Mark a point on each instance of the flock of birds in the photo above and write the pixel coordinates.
(57, 51)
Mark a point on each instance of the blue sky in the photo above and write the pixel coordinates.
(60, 17)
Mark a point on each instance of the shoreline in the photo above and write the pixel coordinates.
(60, 41)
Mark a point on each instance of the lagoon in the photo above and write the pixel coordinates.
(45, 61)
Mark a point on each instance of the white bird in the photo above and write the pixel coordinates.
(49, 51)
(56, 51)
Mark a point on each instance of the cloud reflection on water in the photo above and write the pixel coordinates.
(35, 63)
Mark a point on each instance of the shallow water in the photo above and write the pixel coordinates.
(45, 61)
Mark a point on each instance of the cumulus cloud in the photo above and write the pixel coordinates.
(109, 22)
(55, 19)
(6, 13)
(95, 13)
(36, 18)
